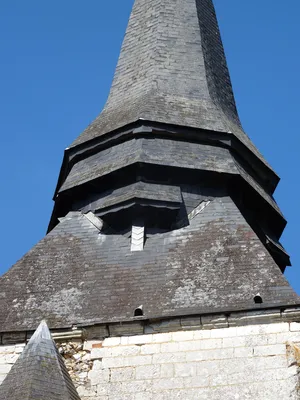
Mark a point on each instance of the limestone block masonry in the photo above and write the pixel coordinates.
(8, 356)
(254, 362)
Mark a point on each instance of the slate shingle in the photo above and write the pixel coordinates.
(152, 151)
(172, 69)
(77, 275)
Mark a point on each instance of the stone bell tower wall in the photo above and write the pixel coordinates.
(258, 362)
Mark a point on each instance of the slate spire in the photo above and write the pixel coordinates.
(39, 372)
(171, 80)
(172, 69)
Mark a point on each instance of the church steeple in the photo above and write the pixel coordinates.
(171, 83)
(172, 69)
(163, 200)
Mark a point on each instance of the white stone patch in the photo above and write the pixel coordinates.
(8, 357)
(137, 237)
(198, 209)
(97, 222)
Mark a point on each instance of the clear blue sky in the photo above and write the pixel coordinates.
(57, 63)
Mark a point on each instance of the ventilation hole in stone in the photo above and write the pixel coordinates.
(138, 312)
(258, 299)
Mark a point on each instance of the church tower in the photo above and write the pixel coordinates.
(161, 275)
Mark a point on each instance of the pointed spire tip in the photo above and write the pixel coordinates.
(42, 332)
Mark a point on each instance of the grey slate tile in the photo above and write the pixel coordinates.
(78, 275)
(138, 190)
(153, 151)
(172, 69)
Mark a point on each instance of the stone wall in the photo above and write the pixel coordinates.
(8, 356)
(258, 362)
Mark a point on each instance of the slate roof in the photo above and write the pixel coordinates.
(204, 201)
(172, 69)
(138, 190)
(80, 275)
(39, 372)
(163, 152)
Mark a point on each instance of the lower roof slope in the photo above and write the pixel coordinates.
(39, 372)
(80, 275)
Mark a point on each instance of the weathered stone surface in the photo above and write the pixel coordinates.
(243, 361)
(12, 338)
(78, 360)
(97, 332)
(193, 364)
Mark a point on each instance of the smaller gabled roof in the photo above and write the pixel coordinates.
(39, 373)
